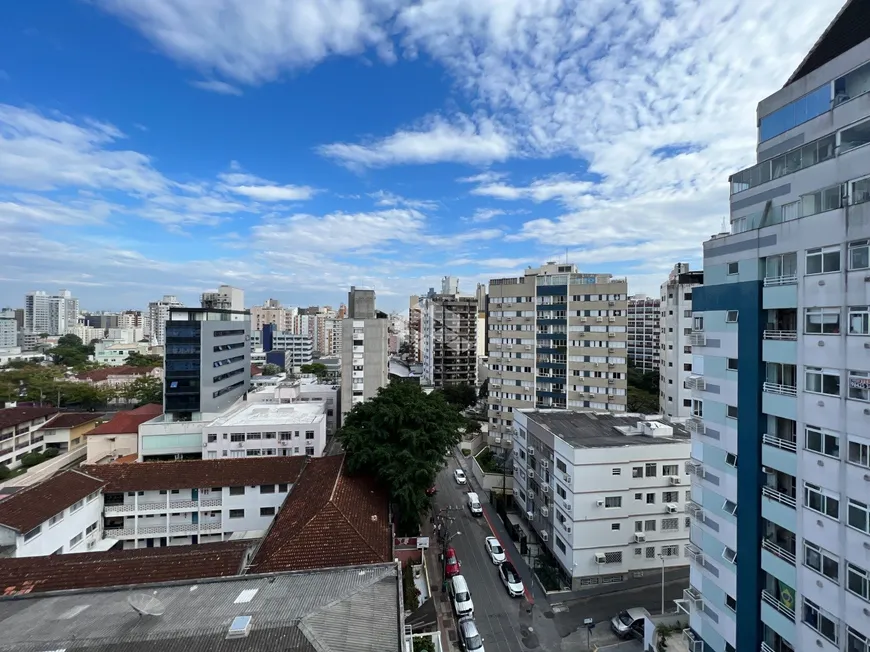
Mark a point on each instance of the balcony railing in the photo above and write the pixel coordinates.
(766, 648)
(784, 444)
(790, 336)
(774, 602)
(779, 497)
(778, 550)
(127, 508)
(785, 279)
(779, 388)
(697, 338)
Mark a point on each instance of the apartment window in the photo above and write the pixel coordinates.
(237, 513)
(560, 544)
(637, 472)
(822, 260)
(730, 507)
(670, 551)
(76, 506)
(698, 323)
(237, 491)
(697, 407)
(820, 621)
(670, 524)
(731, 411)
(267, 488)
(859, 254)
(309, 450)
(614, 557)
(237, 436)
(35, 532)
(614, 527)
(267, 511)
(638, 496)
(651, 469)
(859, 516)
(650, 552)
(613, 501)
(858, 581)
(821, 561)
(730, 316)
(560, 491)
(731, 459)
(822, 321)
(822, 381)
(76, 540)
(254, 435)
(561, 466)
(54, 520)
(670, 469)
(729, 555)
(821, 500)
(91, 528)
(730, 602)
(282, 488)
(212, 439)
(859, 453)
(93, 496)
(856, 641)
(859, 320)
(650, 499)
(616, 471)
(859, 385)
(821, 441)
(638, 552)
(731, 364)
(733, 268)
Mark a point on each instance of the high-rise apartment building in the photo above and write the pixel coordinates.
(364, 354)
(52, 314)
(781, 373)
(557, 339)
(8, 329)
(675, 398)
(225, 298)
(644, 326)
(207, 363)
(449, 337)
(158, 315)
(133, 319)
(415, 328)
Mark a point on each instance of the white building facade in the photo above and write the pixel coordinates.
(644, 327)
(675, 398)
(52, 314)
(158, 315)
(605, 493)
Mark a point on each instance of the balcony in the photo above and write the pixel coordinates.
(778, 505)
(779, 388)
(778, 550)
(780, 335)
(779, 496)
(783, 279)
(774, 602)
(779, 454)
(778, 442)
(698, 338)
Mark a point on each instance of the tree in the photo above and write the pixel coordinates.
(270, 369)
(144, 360)
(641, 401)
(317, 368)
(484, 390)
(4, 472)
(144, 390)
(462, 395)
(405, 348)
(401, 437)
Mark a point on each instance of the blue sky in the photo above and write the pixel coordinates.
(295, 148)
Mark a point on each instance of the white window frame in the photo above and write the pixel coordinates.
(609, 500)
(731, 459)
(823, 314)
(859, 245)
(858, 393)
(858, 452)
(854, 506)
(731, 411)
(855, 640)
(736, 269)
(825, 497)
(729, 555)
(821, 373)
(729, 507)
(823, 555)
(698, 408)
(863, 577)
(30, 535)
(861, 315)
(731, 316)
(76, 506)
(811, 607)
(826, 437)
(729, 366)
(823, 254)
(54, 520)
(698, 322)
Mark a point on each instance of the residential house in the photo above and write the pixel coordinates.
(67, 430)
(120, 435)
(118, 376)
(20, 432)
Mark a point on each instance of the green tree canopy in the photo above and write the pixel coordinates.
(136, 359)
(70, 351)
(317, 368)
(401, 437)
(270, 369)
(461, 395)
(144, 390)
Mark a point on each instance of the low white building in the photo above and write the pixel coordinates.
(20, 432)
(605, 492)
(58, 516)
(126, 335)
(303, 390)
(113, 354)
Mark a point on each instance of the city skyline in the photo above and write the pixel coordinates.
(431, 139)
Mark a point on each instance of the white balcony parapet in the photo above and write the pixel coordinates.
(779, 551)
(770, 599)
(781, 335)
(698, 338)
(778, 388)
(778, 496)
(777, 442)
(785, 279)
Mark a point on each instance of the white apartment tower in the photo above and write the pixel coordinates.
(675, 398)
(643, 332)
(225, 298)
(557, 339)
(364, 351)
(52, 314)
(158, 315)
(781, 373)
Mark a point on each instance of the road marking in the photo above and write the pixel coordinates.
(503, 547)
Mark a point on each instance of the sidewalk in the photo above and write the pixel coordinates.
(435, 570)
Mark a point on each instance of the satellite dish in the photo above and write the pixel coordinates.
(146, 605)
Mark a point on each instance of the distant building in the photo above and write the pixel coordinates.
(115, 355)
(8, 329)
(449, 337)
(675, 399)
(20, 432)
(644, 329)
(226, 298)
(52, 314)
(158, 315)
(364, 354)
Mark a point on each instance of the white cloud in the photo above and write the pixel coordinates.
(560, 187)
(239, 182)
(437, 140)
(215, 86)
(386, 198)
(486, 214)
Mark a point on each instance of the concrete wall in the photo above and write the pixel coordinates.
(492, 481)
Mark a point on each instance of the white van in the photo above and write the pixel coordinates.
(474, 504)
(460, 596)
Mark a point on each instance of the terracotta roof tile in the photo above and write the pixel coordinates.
(194, 474)
(72, 419)
(98, 375)
(25, 509)
(328, 520)
(256, 371)
(120, 567)
(18, 415)
(132, 458)
(128, 422)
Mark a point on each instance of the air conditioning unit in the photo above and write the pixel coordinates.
(584, 319)
(675, 479)
(639, 537)
(567, 528)
(671, 508)
(532, 495)
(544, 536)
(600, 558)
(531, 450)
(566, 478)
(600, 502)
(510, 319)
(611, 303)
(567, 506)
(528, 347)
(240, 444)
(599, 319)
(611, 319)
(545, 512)
(530, 515)
(611, 335)
(545, 488)
(531, 475)
(91, 544)
(545, 464)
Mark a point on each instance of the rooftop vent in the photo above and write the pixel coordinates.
(240, 627)
(655, 429)
(246, 596)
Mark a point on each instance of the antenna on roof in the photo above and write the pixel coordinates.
(146, 605)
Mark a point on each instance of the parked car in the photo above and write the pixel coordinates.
(474, 504)
(451, 563)
(511, 580)
(469, 637)
(459, 476)
(494, 550)
(629, 622)
(460, 596)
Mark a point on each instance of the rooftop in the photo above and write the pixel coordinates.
(605, 429)
(121, 567)
(72, 419)
(329, 519)
(195, 474)
(128, 422)
(15, 416)
(27, 508)
(98, 375)
(339, 610)
(272, 414)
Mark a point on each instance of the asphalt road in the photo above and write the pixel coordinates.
(503, 621)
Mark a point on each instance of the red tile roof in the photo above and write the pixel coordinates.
(128, 422)
(132, 458)
(328, 520)
(25, 509)
(72, 419)
(18, 415)
(98, 375)
(256, 371)
(120, 567)
(194, 474)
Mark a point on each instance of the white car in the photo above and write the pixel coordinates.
(459, 476)
(495, 551)
(511, 580)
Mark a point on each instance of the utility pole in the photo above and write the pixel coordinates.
(662, 557)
